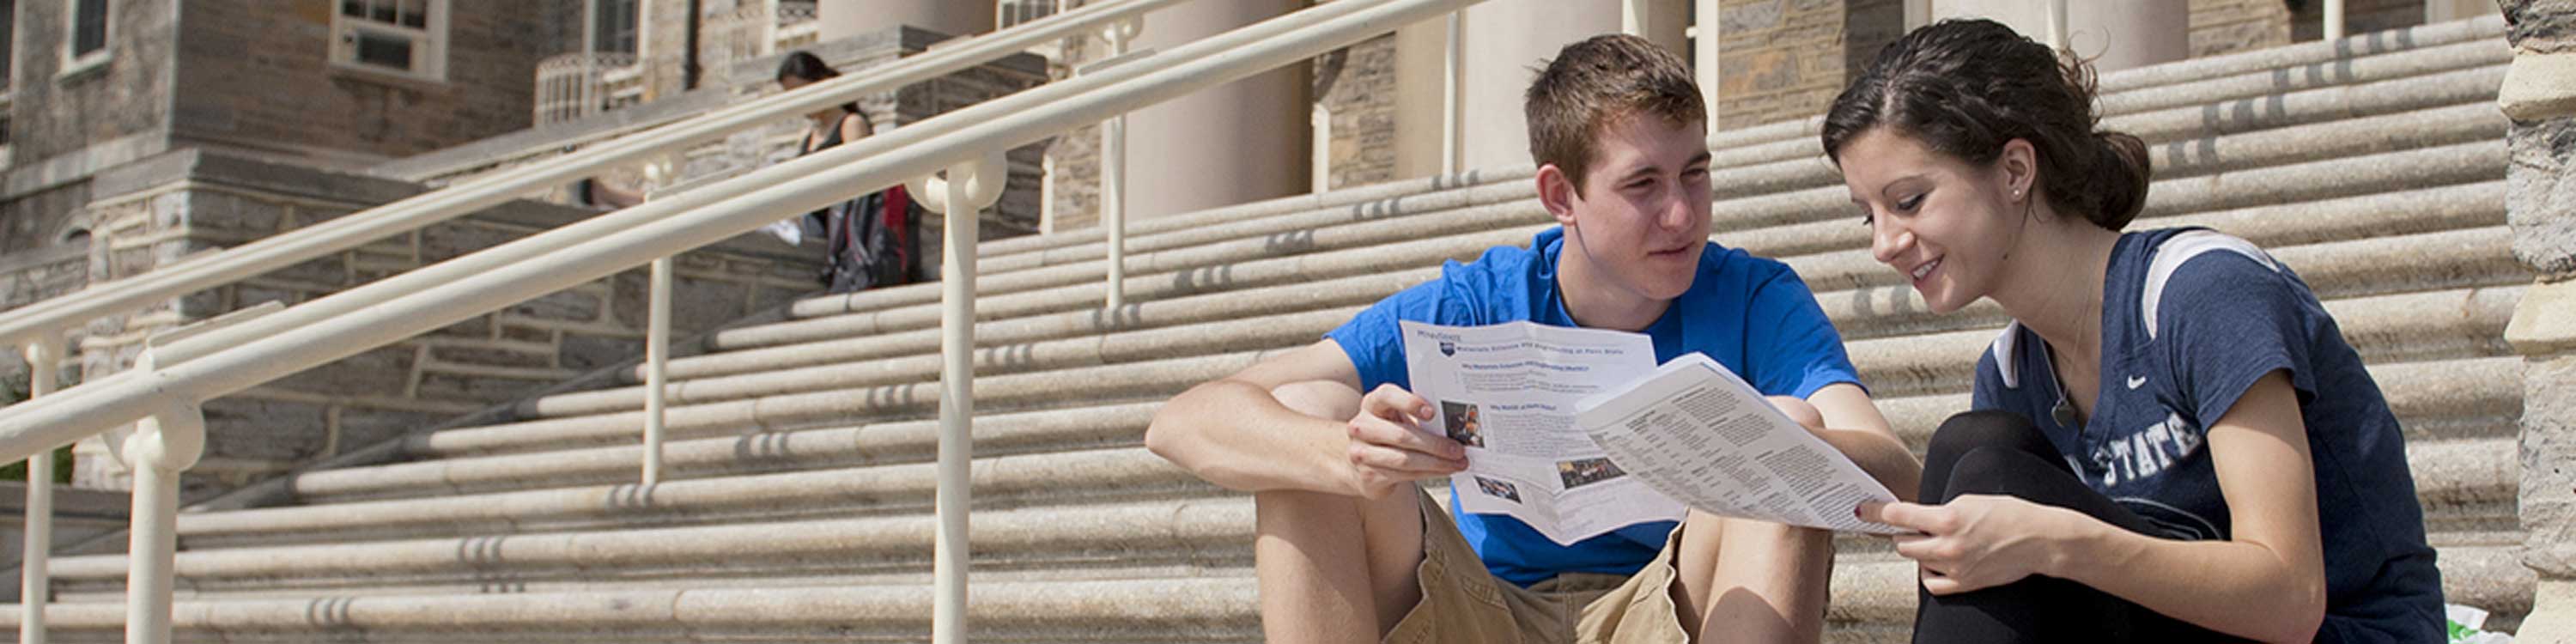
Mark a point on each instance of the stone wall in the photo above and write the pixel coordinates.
(2539, 94)
(1786, 59)
(54, 114)
(63, 127)
(260, 80)
(161, 211)
(2229, 26)
(1356, 84)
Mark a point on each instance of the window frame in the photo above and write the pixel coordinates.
(429, 42)
(76, 63)
(603, 40)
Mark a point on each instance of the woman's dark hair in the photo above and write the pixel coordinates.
(806, 66)
(1966, 87)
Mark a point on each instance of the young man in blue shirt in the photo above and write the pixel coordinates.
(1350, 550)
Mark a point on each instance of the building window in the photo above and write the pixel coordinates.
(405, 37)
(8, 48)
(616, 28)
(87, 46)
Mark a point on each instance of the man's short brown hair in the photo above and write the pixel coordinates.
(1594, 83)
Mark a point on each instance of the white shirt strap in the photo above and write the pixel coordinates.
(2170, 256)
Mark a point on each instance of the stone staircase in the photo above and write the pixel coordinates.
(797, 506)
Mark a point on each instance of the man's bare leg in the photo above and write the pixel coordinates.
(1772, 583)
(1312, 587)
(1749, 581)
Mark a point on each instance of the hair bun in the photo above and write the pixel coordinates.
(2120, 176)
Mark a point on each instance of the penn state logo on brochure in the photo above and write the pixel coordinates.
(1448, 348)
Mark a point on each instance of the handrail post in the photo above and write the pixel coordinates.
(1113, 172)
(969, 188)
(1704, 55)
(35, 581)
(1450, 109)
(2334, 20)
(657, 358)
(2057, 37)
(162, 447)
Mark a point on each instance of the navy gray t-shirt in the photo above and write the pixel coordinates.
(2190, 320)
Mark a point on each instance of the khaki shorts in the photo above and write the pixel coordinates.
(1462, 602)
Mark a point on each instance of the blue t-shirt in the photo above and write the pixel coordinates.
(2190, 320)
(1751, 314)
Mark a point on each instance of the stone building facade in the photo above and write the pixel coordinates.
(171, 207)
(258, 78)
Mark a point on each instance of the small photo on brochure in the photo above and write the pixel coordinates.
(1498, 489)
(1462, 424)
(1587, 471)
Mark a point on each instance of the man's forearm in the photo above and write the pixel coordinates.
(1882, 456)
(1236, 435)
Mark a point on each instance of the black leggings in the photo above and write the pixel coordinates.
(1990, 452)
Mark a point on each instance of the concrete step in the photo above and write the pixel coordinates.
(1859, 313)
(715, 451)
(2396, 329)
(2326, 178)
(2227, 109)
(1118, 538)
(1000, 338)
(2336, 178)
(2419, 318)
(2330, 101)
(1001, 271)
(2202, 151)
(2435, 400)
(1873, 594)
(1039, 250)
(2473, 162)
(1141, 611)
(2326, 265)
(1798, 139)
(2462, 258)
(1160, 538)
(2466, 205)
(2448, 400)
(1282, 234)
(1897, 309)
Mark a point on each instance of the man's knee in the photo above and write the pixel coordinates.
(1319, 398)
(1295, 504)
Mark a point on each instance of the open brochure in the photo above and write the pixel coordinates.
(1698, 433)
(1513, 394)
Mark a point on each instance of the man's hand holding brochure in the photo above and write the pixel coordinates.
(1576, 432)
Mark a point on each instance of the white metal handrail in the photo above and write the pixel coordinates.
(21, 325)
(201, 367)
(45, 323)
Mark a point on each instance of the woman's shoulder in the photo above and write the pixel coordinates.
(2188, 269)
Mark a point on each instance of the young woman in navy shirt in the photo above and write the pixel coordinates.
(2172, 441)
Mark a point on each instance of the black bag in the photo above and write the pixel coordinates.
(871, 241)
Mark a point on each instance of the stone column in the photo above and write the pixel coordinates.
(1239, 142)
(2125, 34)
(1506, 41)
(2539, 94)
